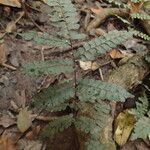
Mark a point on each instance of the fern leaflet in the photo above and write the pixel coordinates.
(87, 125)
(53, 97)
(140, 16)
(91, 90)
(66, 18)
(142, 128)
(93, 144)
(101, 45)
(48, 67)
(141, 107)
(58, 126)
(45, 39)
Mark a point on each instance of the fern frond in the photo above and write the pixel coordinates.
(87, 125)
(140, 34)
(141, 107)
(53, 97)
(91, 90)
(48, 67)
(101, 113)
(142, 128)
(140, 16)
(45, 39)
(57, 126)
(95, 145)
(102, 44)
(66, 17)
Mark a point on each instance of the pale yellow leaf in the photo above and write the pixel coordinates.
(88, 65)
(124, 124)
(12, 3)
(24, 119)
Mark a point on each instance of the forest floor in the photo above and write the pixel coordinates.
(17, 88)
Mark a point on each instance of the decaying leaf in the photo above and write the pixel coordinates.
(13, 3)
(124, 125)
(6, 121)
(24, 119)
(88, 65)
(7, 144)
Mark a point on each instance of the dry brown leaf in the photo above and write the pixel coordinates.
(24, 119)
(7, 144)
(13, 3)
(116, 54)
(88, 65)
(124, 124)
(6, 121)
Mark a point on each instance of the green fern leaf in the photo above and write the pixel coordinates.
(101, 113)
(140, 16)
(142, 128)
(45, 39)
(95, 145)
(87, 125)
(91, 90)
(140, 34)
(58, 126)
(53, 97)
(48, 67)
(141, 107)
(101, 45)
(66, 17)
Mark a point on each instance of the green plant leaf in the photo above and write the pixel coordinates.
(91, 90)
(53, 97)
(58, 125)
(48, 67)
(102, 44)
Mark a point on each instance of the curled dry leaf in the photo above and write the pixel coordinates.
(24, 119)
(124, 124)
(88, 65)
(12, 3)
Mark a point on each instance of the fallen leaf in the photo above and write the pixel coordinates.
(24, 119)
(88, 65)
(7, 144)
(13, 3)
(6, 121)
(124, 124)
(116, 54)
